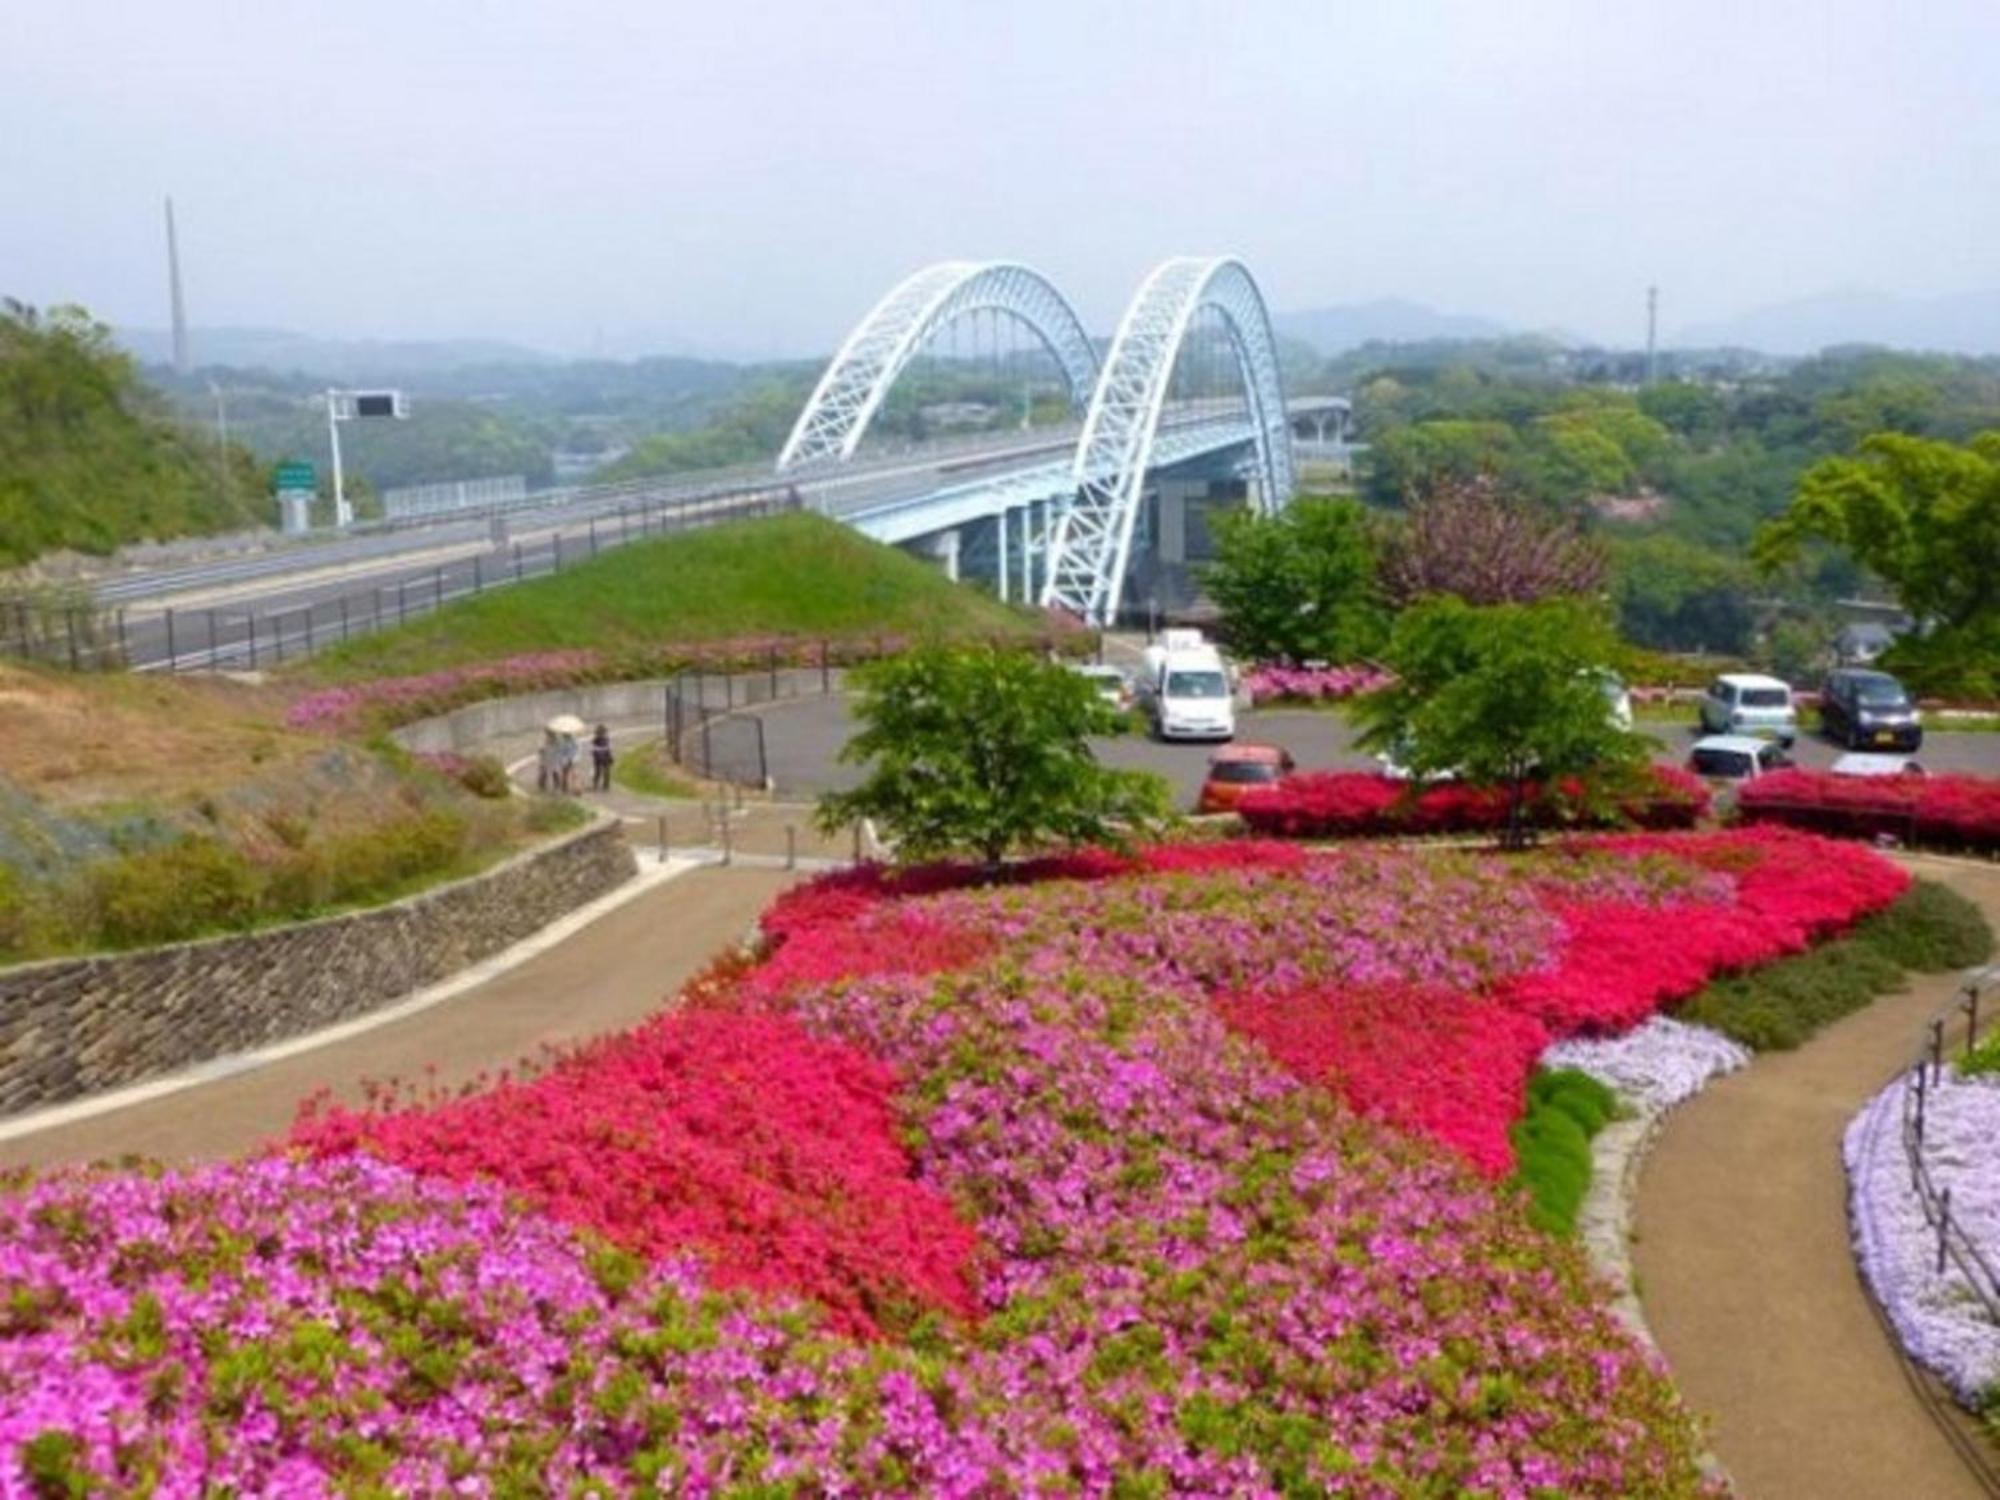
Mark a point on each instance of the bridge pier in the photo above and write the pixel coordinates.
(941, 547)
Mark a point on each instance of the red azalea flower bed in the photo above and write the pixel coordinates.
(1428, 1061)
(1957, 812)
(1445, 1064)
(1361, 804)
(718, 1130)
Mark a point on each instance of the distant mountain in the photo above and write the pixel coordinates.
(1965, 323)
(284, 352)
(1389, 320)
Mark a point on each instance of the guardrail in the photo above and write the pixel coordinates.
(1954, 1245)
(171, 639)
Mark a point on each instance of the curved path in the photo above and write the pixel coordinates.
(1748, 1280)
(601, 978)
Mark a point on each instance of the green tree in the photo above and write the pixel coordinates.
(1409, 461)
(1299, 585)
(1674, 595)
(1501, 696)
(985, 750)
(1924, 516)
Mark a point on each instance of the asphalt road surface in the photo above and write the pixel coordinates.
(802, 739)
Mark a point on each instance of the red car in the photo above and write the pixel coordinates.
(1234, 769)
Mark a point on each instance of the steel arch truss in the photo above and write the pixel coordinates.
(1093, 539)
(860, 375)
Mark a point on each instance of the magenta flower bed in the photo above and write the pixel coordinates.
(1193, 1273)
(1361, 804)
(1275, 683)
(1957, 812)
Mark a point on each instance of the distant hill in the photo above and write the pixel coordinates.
(284, 352)
(1965, 323)
(1388, 320)
(90, 457)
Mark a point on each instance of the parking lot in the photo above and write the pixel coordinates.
(803, 740)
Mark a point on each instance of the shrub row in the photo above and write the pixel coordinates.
(200, 884)
(1565, 1110)
(1354, 804)
(1931, 929)
(1953, 812)
(385, 702)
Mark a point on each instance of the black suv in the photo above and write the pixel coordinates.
(1862, 709)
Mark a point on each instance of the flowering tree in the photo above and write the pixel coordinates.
(986, 750)
(1466, 538)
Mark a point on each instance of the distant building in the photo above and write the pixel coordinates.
(955, 416)
(1864, 641)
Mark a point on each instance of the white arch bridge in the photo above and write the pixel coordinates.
(1185, 409)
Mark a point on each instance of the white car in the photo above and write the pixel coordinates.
(1736, 757)
(1746, 703)
(1876, 765)
(1112, 685)
(1617, 698)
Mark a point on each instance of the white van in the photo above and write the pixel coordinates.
(1187, 690)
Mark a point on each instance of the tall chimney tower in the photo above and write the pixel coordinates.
(174, 289)
(1652, 332)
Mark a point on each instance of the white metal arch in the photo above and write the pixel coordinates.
(1093, 537)
(859, 376)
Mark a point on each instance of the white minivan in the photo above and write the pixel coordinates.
(1187, 692)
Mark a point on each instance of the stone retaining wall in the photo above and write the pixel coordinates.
(76, 1026)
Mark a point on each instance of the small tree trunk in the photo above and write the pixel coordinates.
(1517, 835)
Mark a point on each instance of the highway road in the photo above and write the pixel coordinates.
(273, 607)
(295, 596)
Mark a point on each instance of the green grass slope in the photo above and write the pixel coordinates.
(795, 574)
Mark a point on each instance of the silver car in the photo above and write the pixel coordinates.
(1747, 703)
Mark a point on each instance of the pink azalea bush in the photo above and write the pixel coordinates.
(1951, 812)
(1196, 1269)
(1274, 682)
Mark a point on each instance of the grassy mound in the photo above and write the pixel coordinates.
(795, 575)
(1930, 929)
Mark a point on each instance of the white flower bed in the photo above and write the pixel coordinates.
(1941, 1322)
(1653, 1066)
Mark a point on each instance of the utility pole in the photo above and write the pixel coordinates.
(1652, 332)
(174, 292)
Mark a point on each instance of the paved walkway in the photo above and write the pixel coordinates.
(1748, 1279)
(602, 978)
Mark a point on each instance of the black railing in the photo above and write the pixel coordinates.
(1954, 1246)
(96, 638)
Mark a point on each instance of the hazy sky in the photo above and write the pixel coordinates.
(745, 176)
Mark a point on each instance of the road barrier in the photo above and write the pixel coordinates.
(107, 638)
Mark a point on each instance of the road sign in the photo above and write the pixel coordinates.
(296, 476)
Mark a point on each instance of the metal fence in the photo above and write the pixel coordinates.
(95, 638)
(705, 728)
(1954, 1246)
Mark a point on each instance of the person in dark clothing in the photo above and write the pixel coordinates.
(600, 760)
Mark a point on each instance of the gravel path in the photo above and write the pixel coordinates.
(1747, 1276)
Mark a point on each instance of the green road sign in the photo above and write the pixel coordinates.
(295, 476)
